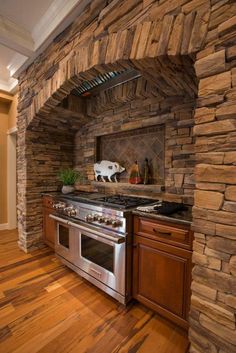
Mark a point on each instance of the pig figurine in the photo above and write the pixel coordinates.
(107, 169)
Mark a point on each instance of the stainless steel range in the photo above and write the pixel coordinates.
(94, 238)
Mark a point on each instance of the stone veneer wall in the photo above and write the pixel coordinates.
(137, 111)
(49, 147)
(205, 30)
(213, 305)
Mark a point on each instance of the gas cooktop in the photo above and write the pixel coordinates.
(113, 201)
(123, 201)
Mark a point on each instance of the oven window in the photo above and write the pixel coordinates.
(97, 252)
(63, 236)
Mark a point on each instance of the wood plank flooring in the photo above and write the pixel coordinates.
(47, 308)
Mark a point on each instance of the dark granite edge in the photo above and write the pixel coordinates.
(173, 219)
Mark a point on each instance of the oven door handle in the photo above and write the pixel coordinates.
(59, 219)
(117, 239)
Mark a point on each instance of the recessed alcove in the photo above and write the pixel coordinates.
(126, 147)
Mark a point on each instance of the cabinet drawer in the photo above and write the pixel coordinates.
(48, 201)
(163, 232)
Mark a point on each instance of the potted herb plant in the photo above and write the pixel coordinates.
(68, 177)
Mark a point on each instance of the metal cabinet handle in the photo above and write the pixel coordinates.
(161, 233)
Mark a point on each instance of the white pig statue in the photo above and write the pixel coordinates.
(107, 169)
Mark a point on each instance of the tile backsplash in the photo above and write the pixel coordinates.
(135, 145)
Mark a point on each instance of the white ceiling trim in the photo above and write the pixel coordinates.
(54, 16)
(15, 37)
(75, 9)
(9, 86)
(60, 14)
(17, 61)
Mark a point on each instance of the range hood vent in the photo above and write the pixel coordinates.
(105, 81)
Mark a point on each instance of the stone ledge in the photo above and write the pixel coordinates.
(155, 188)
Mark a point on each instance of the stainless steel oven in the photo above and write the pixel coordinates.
(95, 240)
(102, 255)
(97, 254)
(65, 239)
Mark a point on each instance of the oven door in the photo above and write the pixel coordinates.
(65, 241)
(102, 256)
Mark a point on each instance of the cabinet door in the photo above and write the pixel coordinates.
(49, 228)
(162, 278)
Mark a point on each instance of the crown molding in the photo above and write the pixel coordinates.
(15, 37)
(73, 11)
(17, 61)
(58, 11)
(59, 15)
(9, 86)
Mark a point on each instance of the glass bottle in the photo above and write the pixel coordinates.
(146, 172)
(135, 177)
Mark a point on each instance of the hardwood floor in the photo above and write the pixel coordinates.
(47, 308)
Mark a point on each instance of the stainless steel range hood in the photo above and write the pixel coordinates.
(105, 81)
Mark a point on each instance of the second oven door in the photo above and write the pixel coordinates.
(102, 259)
(65, 241)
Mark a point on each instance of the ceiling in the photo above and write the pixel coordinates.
(26, 28)
(16, 11)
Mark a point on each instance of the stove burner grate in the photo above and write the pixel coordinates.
(123, 201)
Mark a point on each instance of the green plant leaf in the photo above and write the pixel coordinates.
(69, 176)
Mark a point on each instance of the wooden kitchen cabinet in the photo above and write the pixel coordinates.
(49, 225)
(162, 268)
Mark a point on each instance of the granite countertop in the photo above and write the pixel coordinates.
(180, 217)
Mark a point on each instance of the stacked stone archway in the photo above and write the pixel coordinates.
(164, 60)
(189, 33)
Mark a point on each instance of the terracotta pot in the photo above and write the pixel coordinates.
(67, 189)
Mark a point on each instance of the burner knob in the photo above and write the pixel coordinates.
(59, 205)
(108, 221)
(116, 223)
(73, 212)
(89, 218)
(101, 219)
(67, 210)
(95, 217)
